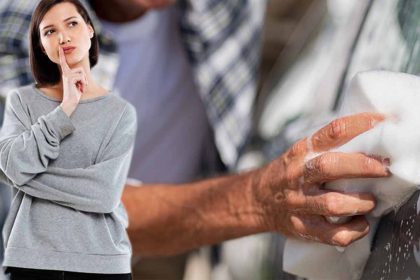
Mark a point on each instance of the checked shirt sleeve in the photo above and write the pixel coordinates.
(15, 18)
(223, 39)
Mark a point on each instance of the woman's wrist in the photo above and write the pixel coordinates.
(68, 109)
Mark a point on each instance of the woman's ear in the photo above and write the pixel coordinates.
(91, 31)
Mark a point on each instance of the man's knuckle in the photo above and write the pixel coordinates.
(336, 129)
(332, 204)
(297, 149)
(342, 239)
(292, 201)
(296, 224)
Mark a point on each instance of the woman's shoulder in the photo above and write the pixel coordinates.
(26, 89)
(124, 105)
(20, 94)
(122, 112)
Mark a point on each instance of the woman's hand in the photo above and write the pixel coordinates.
(74, 84)
(290, 189)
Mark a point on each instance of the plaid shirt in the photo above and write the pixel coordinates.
(222, 39)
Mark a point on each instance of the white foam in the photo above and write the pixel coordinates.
(337, 220)
(310, 154)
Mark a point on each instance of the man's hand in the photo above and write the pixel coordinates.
(285, 196)
(290, 189)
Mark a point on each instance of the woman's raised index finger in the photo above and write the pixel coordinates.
(342, 130)
(63, 63)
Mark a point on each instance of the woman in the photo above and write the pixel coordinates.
(65, 147)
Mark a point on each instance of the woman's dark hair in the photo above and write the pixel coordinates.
(45, 71)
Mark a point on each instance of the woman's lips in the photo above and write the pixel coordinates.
(68, 50)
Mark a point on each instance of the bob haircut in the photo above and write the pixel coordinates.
(45, 71)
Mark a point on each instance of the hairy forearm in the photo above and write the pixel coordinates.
(170, 219)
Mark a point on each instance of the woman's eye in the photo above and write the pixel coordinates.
(48, 32)
(73, 23)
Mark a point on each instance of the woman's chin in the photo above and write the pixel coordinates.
(72, 59)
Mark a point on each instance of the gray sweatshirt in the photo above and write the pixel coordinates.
(67, 176)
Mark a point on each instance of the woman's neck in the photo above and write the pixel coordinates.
(90, 91)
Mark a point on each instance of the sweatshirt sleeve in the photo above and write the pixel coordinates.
(25, 148)
(97, 188)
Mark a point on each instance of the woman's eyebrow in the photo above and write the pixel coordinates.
(67, 19)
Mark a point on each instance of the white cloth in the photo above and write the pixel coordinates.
(155, 76)
(398, 96)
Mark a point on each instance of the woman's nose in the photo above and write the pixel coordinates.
(63, 38)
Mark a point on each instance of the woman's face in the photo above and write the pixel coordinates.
(62, 26)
